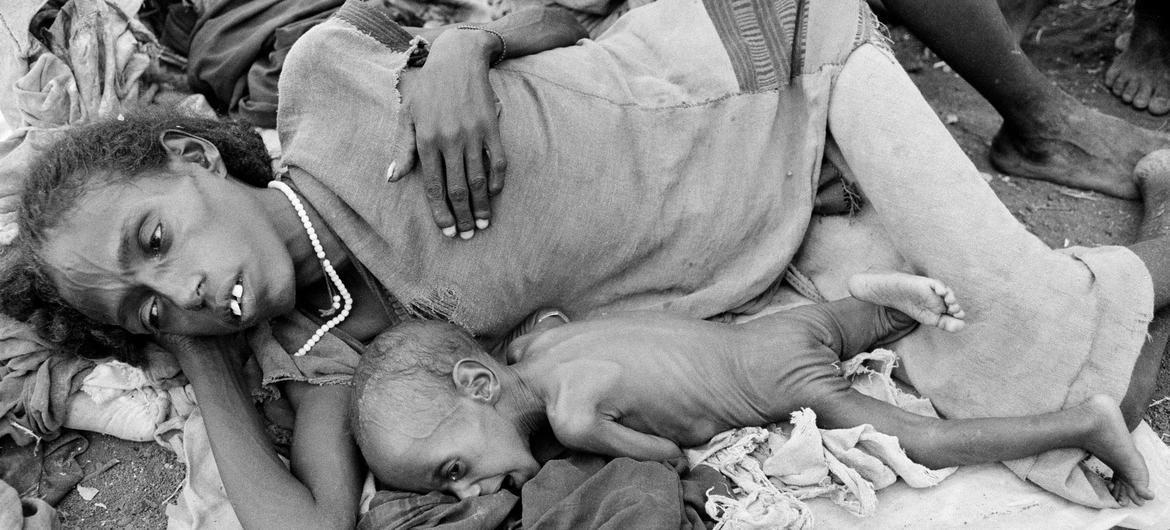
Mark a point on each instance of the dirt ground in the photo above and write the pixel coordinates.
(1070, 43)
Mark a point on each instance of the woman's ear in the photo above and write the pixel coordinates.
(185, 149)
(476, 380)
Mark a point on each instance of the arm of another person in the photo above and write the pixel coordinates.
(323, 488)
(452, 112)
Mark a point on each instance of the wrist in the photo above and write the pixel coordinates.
(491, 43)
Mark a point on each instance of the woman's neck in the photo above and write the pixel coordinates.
(306, 265)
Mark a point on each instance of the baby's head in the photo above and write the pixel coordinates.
(425, 414)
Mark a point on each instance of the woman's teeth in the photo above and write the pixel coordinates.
(234, 303)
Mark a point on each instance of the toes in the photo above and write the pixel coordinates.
(1159, 105)
(1160, 100)
(957, 312)
(1111, 74)
(950, 324)
(1131, 88)
(1119, 84)
(1121, 494)
(1141, 98)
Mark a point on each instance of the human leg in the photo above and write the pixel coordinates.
(1140, 75)
(1047, 134)
(1095, 426)
(1153, 247)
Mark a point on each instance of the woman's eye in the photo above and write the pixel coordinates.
(455, 471)
(154, 244)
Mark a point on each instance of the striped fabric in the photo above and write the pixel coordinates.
(760, 39)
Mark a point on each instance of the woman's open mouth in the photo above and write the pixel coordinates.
(237, 298)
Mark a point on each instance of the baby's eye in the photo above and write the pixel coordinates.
(454, 471)
(152, 320)
(154, 244)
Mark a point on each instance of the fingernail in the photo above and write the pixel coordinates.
(449, 231)
(467, 235)
(390, 171)
(482, 223)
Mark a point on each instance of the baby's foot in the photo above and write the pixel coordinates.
(926, 300)
(1110, 441)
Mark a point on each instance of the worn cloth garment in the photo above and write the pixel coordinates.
(36, 383)
(581, 491)
(46, 470)
(93, 67)
(692, 243)
(1046, 329)
(238, 48)
(97, 54)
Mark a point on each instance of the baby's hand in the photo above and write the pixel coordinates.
(607, 437)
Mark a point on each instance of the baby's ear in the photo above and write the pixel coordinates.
(476, 380)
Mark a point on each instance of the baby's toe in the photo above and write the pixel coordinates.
(950, 324)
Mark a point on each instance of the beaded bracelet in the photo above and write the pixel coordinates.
(503, 44)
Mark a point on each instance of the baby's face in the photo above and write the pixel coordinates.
(472, 451)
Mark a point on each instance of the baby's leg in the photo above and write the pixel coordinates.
(1095, 426)
(926, 300)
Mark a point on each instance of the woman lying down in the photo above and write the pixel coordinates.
(668, 165)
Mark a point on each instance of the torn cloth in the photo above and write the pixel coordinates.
(36, 383)
(97, 55)
(94, 66)
(776, 469)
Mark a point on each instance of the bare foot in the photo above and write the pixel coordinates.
(1140, 75)
(1112, 443)
(1076, 146)
(1153, 177)
(926, 300)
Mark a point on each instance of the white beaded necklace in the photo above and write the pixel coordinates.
(330, 273)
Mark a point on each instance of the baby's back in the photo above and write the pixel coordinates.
(680, 378)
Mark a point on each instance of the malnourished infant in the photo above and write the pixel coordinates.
(433, 411)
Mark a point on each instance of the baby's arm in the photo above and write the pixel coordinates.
(589, 431)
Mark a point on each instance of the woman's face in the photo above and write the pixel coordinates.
(169, 252)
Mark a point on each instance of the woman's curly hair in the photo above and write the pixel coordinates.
(83, 159)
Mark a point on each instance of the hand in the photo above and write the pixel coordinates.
(451, 113)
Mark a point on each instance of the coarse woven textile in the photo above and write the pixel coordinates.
(1046, 329)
